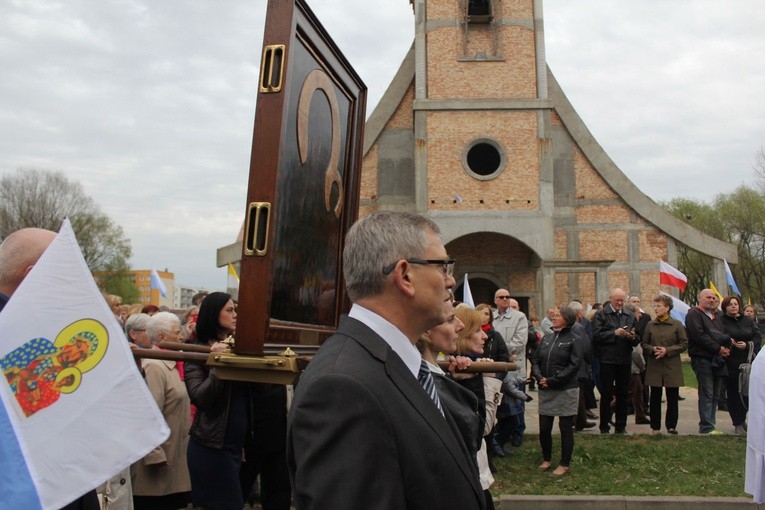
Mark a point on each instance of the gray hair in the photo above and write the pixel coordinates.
(161, 322)
(631, 308)
(377, 240)
(136, 322)
(576, 306)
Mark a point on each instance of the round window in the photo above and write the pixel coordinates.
(484, 159)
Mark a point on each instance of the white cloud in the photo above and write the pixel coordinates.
(150, 105)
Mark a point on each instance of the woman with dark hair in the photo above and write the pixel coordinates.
(745, 342)
(555, 366)
(222, 419)
(663, 340)
(233, 420)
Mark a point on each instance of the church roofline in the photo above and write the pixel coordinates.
(626, 189)
(390, 100)
(596, 155)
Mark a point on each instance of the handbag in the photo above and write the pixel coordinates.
(744, 369)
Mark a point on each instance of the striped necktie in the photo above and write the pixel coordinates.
(426, 380)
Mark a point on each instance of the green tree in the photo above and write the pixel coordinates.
(120, 283)
(43, 198)
(737, 218)
(696, 266)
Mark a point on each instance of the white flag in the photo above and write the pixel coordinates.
(467, 296)
(157, 283)
(75, 410)
(679, 308)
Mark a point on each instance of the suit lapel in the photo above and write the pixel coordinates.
(410, 388)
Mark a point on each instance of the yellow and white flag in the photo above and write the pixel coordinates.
(233, 278)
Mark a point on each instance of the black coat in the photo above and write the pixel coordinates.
(559, 358)
(742, 329)
(605, 344)
(703, 334)
(496, 349)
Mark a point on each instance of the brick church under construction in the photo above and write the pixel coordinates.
(475, 132)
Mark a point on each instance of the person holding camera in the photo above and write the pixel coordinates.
(613, 340)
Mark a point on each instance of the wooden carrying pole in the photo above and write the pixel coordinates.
(301, 353)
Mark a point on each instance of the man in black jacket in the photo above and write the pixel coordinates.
(703, 345)
(614, 338)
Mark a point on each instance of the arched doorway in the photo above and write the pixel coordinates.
(494, 261)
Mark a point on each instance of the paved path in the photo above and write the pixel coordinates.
(688, 422)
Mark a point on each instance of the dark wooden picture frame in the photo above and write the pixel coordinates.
(303, 191)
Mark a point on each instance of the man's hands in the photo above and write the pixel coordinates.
(630, 335)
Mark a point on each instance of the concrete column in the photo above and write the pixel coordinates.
(548, 288)
(601, 284)
(420, 117)
(718, 277)
(539, 41)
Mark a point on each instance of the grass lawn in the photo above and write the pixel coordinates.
(631, 465)
(689, 378)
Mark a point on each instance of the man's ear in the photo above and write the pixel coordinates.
(403, 278)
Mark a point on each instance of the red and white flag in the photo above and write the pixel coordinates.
(668, 275)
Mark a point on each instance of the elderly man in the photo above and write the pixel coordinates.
(704, 343)
(546, 323)
(366, 428)
(512, 324)
(614, 337)
(19, 252)
(161, 479)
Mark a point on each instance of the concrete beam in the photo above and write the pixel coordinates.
(229, 254)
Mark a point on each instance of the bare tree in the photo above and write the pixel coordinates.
(43, 198)
(758, 165)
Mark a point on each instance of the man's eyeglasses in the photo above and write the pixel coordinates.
(503, 297)
(447, 265)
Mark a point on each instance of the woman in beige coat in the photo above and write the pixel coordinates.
(161, 479)
(663, 341)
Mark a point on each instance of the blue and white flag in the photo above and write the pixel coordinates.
(730, 280)
(157, 283)
(467, 296)
(74, 410)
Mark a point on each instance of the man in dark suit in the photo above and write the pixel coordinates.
(362, 431)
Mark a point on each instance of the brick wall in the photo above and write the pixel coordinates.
(449, 134)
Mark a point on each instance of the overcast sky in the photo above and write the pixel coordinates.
(150, 104)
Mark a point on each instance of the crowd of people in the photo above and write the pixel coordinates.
(224, 435)
(386, 414)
